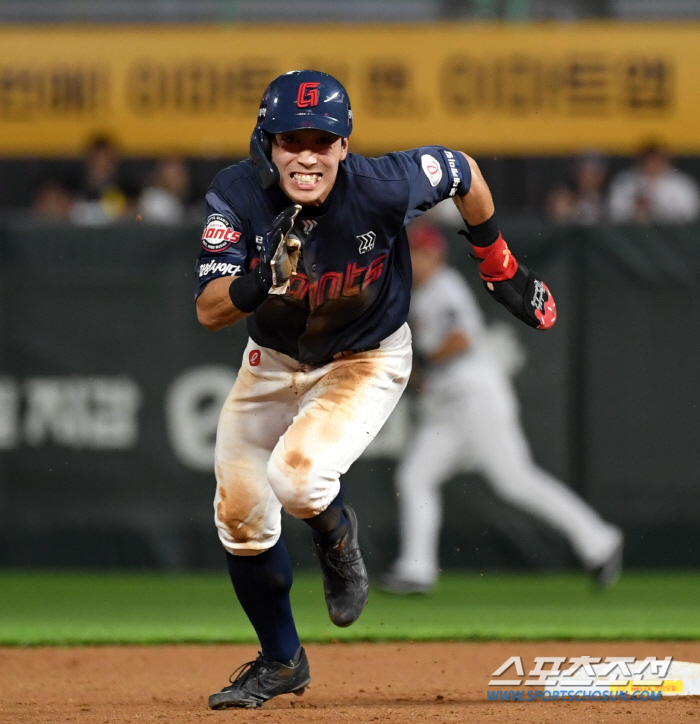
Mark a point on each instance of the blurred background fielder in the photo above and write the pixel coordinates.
(469, 423)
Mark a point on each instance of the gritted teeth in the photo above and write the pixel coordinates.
(306, 178)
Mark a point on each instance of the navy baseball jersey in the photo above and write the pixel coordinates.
(353, 282)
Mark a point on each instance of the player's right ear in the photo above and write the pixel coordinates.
(261, 156)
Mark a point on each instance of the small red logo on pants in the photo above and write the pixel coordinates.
(308, 95)
(254, 357)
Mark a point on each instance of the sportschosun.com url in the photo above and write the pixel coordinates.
(515, 695)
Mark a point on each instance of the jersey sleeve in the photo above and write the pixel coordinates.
(435, 173)
(223, 245)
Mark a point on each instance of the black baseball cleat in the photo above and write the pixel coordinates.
(260, 680)
(345, 580)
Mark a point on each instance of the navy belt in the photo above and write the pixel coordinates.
(346, 353)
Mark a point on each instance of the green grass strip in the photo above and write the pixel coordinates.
(82, 608)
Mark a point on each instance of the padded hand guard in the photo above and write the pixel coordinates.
(497, 262)
(526, 296)
(280, 250)
(517, 288)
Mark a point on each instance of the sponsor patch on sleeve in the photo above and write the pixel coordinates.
(453, 167)
(206, 268)
(431, 168)
(218, 233)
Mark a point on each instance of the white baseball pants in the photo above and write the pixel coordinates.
(288, 431)
(477, 430)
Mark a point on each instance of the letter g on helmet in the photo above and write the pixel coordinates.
(294, 101)
(306, 99)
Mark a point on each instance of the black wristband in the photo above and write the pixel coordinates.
(248, 292)
(483, 234)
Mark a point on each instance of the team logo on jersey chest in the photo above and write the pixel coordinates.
(366, 241)
(218, 233)
(309, 225)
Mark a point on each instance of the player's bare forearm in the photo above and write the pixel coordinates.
(476, 206)
(215, 309)
(454, 343)
(517, 288)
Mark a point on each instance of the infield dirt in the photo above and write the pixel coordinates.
(399, 682)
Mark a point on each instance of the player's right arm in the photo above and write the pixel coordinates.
(222, 261)
(215, 309)
(222, 300)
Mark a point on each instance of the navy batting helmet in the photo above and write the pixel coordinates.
(305, 99)
(293, 101)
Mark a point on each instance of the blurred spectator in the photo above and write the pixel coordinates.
(52, 201)
(101, 200)
(653, 191)
(163, 201)
(132, 189)
(582, 200)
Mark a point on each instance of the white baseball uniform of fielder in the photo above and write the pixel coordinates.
(288, 431)
(470, 424)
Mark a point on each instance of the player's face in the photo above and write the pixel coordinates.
(308, 162)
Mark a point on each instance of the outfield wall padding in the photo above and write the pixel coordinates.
(109, 394)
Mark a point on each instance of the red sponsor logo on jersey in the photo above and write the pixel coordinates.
(431, 168)
(308, 95)
(218, 234)
(254, 357)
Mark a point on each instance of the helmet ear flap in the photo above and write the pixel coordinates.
(267, 144)
(261, 156)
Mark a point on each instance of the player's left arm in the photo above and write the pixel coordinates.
(515, 286)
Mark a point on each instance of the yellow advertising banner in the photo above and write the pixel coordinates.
(481, 88)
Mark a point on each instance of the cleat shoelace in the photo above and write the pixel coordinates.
(338, 559)
(250, 668)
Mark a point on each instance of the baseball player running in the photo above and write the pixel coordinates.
(470, 424)
(306, 242)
